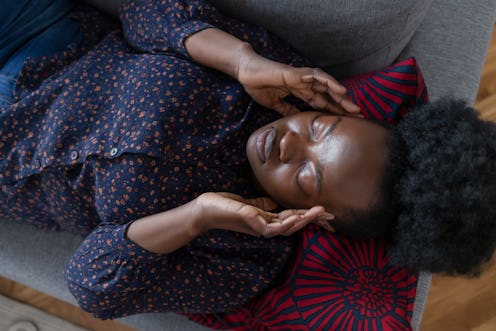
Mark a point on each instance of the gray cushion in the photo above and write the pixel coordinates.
(37, 258)
(451, 44)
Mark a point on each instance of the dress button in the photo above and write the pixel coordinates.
(113, 151)
(74, 155)
(37, 163)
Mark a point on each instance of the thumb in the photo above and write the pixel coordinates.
(263, 203)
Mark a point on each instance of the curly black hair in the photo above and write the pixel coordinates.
(437, 204)
(444, 157)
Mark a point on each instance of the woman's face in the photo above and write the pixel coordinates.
(313, 158)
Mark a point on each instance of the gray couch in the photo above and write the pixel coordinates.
(450, 44)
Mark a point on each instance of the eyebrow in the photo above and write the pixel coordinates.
(319, 162)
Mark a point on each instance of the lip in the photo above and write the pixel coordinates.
(264, 143)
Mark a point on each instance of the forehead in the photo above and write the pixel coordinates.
(354, 167)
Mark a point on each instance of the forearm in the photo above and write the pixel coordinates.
(167, 231)
(219, 50)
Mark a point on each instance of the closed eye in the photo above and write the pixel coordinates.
(306, 167)
(315, 126)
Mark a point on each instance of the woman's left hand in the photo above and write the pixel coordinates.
(293, 220)
(269, 82)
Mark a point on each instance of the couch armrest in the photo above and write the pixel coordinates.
(451, 44)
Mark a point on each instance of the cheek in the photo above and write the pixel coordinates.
(277, 183)
(282, 189)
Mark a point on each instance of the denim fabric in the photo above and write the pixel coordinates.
(22, 20)
(30, 29)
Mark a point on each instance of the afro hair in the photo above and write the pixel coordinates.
(443, 158)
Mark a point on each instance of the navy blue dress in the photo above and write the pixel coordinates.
(128, 126)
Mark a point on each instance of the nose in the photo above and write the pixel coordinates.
(291, 147)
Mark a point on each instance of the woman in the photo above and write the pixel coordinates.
(119, 139)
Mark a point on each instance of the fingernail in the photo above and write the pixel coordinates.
(327, 216)
(325, 226)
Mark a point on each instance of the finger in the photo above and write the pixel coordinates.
(243, 206)
(285, 108)
(263, 203)
(315, 212)
(277, 228)
(293, 223)
(341, 99)
(322, 86)
(325, 224)
(290, 212)
(345, 102)
(323, 219)
(324, 78)
(294, 220)
(332, 103)
(297, 226)
(322, 82)
(311, 215)
(322, 102)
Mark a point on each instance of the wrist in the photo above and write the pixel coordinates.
(199, 218)
(249, 64)
(256, 70)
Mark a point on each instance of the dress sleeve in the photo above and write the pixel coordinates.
(162, 26)
(110, 276)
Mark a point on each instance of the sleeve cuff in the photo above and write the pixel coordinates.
(128, 249)
(184, 31)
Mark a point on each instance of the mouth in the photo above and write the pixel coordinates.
(264, 143)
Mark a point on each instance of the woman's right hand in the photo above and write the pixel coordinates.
(232, 212)
(268, 82)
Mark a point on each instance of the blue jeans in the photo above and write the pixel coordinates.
(29, 29)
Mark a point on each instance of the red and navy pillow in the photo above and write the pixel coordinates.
(388, 94)
(334, 282)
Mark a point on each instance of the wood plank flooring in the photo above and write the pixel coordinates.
(458, 304)
(56, 307)
(12, 312)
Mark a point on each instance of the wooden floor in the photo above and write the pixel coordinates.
(14, 313)
(454, 304)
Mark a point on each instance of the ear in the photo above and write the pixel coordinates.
(324, 221)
